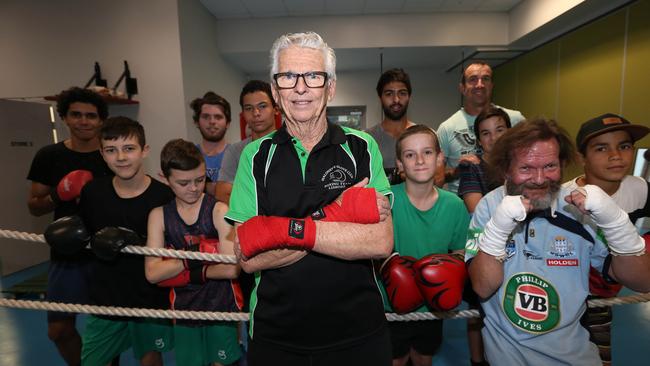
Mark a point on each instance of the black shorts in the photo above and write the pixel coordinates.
(424, 336)
(372, 351)
(67, 282)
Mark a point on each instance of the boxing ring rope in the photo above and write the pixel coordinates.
(228, 316)
(134, 249)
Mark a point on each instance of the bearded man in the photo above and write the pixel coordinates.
(530, 248)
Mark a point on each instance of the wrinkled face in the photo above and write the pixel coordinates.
(535, 172)
(419, 158)
(212, 123)
(608, 157)
(187, 185)
(302, 104)
(489, 131)
(395, 100)
(477, 88)
(83, 121)
(258, 112)
(124, 156)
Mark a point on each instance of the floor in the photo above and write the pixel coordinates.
(23, 336)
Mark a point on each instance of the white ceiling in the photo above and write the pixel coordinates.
(436, 39)
(246, 9)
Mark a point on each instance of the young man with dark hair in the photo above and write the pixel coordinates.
(394, 92)
(456, 134)
(606, 146)
(212, 118)
(426, 220)
(259, 111)
(194, 221)
(58, 173)
(116, 210)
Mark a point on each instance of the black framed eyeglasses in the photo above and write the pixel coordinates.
(289, 80)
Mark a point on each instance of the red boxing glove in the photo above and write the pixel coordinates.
(358, 205)
(69, 188)
(263, 233)
(399, 280)
(441, 279)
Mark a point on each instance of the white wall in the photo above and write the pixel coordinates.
(435, 94)
(369, 31)
(203, 67)
(48, 46)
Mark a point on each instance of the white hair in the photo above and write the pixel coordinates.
(304, 40)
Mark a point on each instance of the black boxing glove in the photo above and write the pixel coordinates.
(67, 235)
(109, 241)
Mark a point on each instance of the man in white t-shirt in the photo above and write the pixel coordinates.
(456, 134)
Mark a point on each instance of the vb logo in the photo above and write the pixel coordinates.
(531, 303)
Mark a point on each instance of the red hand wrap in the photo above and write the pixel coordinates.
(399, 280)
(358, 205)
(70, 186)
(263, 233)
(441, 279)
(196, 275)
(180, 280)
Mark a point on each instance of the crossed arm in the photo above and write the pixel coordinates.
(348, 241)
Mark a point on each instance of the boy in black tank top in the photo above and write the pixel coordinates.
(194, 221)
(114, 208)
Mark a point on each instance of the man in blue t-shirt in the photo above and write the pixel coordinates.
(529, 253)
(212, 117)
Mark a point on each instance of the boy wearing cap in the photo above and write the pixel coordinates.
(606, 146)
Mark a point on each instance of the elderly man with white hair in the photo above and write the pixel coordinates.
(310, 207)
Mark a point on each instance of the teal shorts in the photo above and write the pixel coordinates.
(104, 339)
(204, 345)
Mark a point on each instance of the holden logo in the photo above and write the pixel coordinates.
(531, 303)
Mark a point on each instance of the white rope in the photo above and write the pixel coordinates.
(194, 315)
(232, 316)
(631, 299)
(454, 314)
(133, 249)
(122, 311)
(21, 235)
(181, 254)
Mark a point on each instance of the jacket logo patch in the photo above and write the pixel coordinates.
(511, 248)
(337, 177)
(297, 229)
(531, 303)
(562, 262)
(530, 255)
(561, 247)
